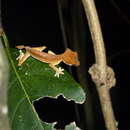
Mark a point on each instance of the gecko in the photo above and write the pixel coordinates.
(69, 57)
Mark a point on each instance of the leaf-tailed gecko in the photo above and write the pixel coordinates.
(69, 57)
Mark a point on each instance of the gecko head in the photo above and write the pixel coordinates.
(70, 58)
(20, 47)
(23, 47)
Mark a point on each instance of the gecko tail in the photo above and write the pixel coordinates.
(70, 57)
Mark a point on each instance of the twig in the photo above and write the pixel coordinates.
(120, 11)
(4, 123)
(4, 72)
(102, 75)
(64, 36)
(62, 24)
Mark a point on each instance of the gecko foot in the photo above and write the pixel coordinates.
(60, 71)
(21, 54)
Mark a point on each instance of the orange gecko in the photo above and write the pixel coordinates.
(69, 57)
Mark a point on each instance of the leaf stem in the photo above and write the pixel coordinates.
(102, 75)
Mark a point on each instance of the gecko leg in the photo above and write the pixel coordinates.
(57, 70)
(22, 57)
(41, 48)
(50, 52)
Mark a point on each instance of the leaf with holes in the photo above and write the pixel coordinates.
(30, 82)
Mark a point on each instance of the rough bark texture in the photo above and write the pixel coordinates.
(102, 75)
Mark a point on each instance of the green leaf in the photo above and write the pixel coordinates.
(72, 126)
(30, 82)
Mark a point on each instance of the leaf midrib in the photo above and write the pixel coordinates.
(18, 77)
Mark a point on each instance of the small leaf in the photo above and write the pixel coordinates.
(30, 82)
(72, 126)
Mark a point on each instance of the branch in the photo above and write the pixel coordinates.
(0, 15)
(1, 30)
(4, 70)
(102, 75)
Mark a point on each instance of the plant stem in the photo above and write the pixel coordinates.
(4, 72)
(95, 29)
(102, 75)
(1, 30)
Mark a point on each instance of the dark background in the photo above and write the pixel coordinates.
(59, 24)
